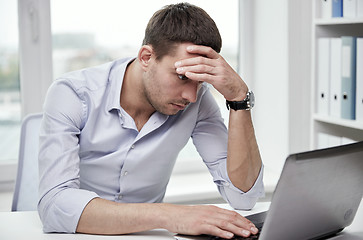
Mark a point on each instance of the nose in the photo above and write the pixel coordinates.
(190, 91)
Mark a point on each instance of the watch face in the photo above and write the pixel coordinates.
(251, 100)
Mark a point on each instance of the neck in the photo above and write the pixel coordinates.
(133, 99)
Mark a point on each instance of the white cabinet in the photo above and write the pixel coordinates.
(327, 130)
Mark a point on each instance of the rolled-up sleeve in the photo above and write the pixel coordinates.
(235, 197)
(61, 202)
(210, 137)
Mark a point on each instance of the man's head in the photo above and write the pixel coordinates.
(180, 23)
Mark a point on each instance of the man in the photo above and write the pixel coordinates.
(111, 134)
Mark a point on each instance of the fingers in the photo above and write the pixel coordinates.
(207, 65)
(206, 62)
(216, 231)
(192, 65)
(203, 50)
(199, 69)
(211, 220)
(196, 65)
(226, 229)
(237, 223)
(199, 60)
(225, 223)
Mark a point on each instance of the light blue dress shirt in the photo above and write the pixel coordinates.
(90, 147)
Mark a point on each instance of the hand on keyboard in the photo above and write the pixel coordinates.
(210, 220)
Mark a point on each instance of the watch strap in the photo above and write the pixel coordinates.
(245, 104)
(237, 105)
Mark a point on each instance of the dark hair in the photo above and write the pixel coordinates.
(178, 23)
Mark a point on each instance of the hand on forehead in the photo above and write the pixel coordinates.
(208, 66)
(199, 52)
(198, 60)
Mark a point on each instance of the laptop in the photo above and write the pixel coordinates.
(317, 195)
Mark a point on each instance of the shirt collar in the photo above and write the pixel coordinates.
(115, 79)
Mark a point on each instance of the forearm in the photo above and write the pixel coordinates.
(102, 216)
(106, 217)
(243, 157)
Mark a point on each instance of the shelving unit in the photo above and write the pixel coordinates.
(337, 21)
(331, 27)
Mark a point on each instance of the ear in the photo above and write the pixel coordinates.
(145, 56)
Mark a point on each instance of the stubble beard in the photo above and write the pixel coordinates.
(154, 96)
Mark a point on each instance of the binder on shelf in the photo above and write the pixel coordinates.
(335, 77)
(323, 76)
(349, 8)
(359, 8)
(348, 70)
(325, 7)
(337, 8)
(359, 85)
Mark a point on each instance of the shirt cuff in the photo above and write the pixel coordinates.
(64, 212)
(234, 196)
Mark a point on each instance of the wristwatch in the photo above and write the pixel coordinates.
(245, 104)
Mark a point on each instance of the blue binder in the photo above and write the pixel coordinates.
(348, 73)
(337, 8)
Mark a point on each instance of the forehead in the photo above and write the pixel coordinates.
(178, 53)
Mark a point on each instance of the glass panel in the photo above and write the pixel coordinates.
(91, 32)
(10, 107)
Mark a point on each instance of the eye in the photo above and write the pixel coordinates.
(182, 77)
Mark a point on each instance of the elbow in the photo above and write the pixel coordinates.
(53, 218)
(60, 211)
(246, 204)
(242, 200)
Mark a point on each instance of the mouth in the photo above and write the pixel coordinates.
(180, 106)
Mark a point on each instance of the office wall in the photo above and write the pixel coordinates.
(275, 42)
(299, 73)
(264, 65)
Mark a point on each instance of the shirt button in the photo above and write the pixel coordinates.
(133, 146)
(125, 173)
(119, 197)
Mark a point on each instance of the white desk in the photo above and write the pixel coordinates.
(27, 225)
